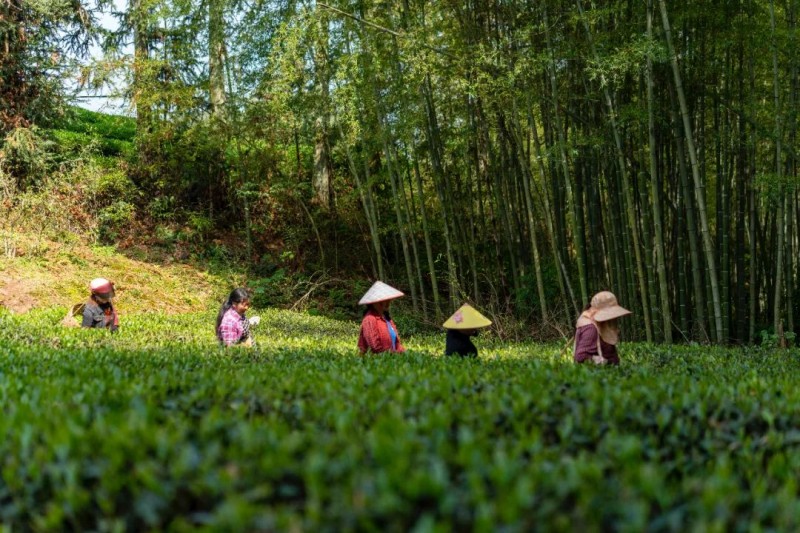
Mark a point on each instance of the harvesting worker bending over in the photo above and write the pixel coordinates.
(378, 331)
(99, 312)
(597, 332)
(464, 324)
(232, 326)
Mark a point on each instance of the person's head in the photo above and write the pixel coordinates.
(467, 321)
(606, 307)
(606, 312)
(238, 300)
(379, 297)
(102, 290)
(380, 307)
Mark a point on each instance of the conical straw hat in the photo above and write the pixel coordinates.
(379, 292)
(467, 317)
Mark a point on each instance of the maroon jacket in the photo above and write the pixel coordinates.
(586, 346)
(375, 336)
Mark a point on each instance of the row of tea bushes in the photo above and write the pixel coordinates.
(158, 428)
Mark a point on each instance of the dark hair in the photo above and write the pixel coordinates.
(369, 308)
(236, 296)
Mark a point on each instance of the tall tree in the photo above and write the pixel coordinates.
(655, 190)
(708, 248)
(36, 39)
(216, 56)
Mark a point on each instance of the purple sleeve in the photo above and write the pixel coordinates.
(609, 352)
(585, 343)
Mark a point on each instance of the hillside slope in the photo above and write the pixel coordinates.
(49, 274)
(80, 195)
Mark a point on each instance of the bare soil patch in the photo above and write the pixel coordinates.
(17, 294)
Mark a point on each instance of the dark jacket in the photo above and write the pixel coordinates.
(457, 343)
(586, 341)
(96, 315)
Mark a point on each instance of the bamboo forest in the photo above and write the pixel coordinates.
(523, 155)
(370, 265)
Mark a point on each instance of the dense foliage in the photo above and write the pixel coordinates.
(37, 41)
(522, 155)
(158, 428)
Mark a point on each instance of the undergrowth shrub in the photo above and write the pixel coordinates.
(26, 156)
(158, 428)
(53, 188)
(113, 219)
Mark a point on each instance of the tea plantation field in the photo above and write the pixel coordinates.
(159, 429)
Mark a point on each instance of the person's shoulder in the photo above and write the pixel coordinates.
(370, 316)
(452, 336)
(90, 306)
(586, 333)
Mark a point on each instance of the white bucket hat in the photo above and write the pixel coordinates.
(379, 292)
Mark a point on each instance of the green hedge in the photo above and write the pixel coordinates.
(72, 141)
(158, 428)
(99, 124)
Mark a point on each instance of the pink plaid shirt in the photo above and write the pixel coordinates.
(231, 328)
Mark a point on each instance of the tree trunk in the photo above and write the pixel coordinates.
(428, 247)
(322, 178)
(567, 181)
(627, 190)
(655, 191)
(698, 184)
(439, 178)
(691, 230)
(527, 180)
(779, 219)
(216, 57)
(141, 55)
(542, 195)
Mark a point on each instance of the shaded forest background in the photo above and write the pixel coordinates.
(519, 155)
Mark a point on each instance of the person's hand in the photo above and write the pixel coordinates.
(599, 359)
(254, 320)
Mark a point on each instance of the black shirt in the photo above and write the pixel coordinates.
(459, 344)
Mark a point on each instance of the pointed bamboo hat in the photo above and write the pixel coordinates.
(379, 292)
(467, 317)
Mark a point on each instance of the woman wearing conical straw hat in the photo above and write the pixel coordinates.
(378, 330)
(597, 332)
(464, 324)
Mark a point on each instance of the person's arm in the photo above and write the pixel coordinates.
(362, 341)
(114, 325)
(399, 348)
(609, 352)
(585, 343)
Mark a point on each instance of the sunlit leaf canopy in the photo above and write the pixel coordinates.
(518, 155)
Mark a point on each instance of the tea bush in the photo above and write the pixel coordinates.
(159, 428)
